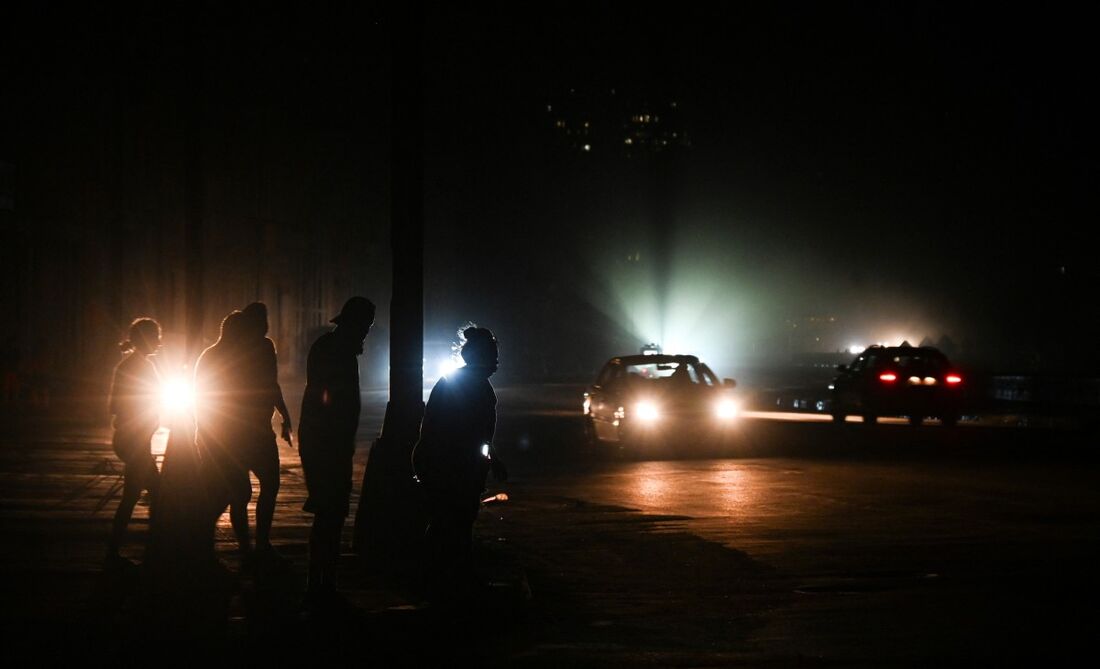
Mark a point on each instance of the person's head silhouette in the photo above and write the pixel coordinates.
(233, 329)
(480, 351)
(356, 318)
(254, 318)
(143, 337)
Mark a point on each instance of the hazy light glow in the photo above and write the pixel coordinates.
(953, 379)
(856, 349)
(447, 366)
(727, 409)
(647, 411)
(888, 377)
(176, 396)
(683, 297)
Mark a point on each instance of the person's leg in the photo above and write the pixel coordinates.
(267, 471)
(241, 493)
(324, 552)
(131, 491)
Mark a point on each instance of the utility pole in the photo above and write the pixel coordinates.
(184, 580)
(389, 520)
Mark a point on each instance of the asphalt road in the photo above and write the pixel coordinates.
(879, 545)
(798, 542)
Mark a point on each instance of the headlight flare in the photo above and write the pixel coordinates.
(727, 409)
(176, 395)
(647, 411)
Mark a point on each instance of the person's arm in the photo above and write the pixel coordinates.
(277, 394)
(496, 465)
(431, 430)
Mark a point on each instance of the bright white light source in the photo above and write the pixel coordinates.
(176, 395)
(447, 366)
(587, 147)
(727, 409)
(485, 450)
(647, 411)
(856, 349)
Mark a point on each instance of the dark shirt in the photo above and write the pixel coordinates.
(260, 383)
(330, 406)
(459, 419)
(219, 392)
(135, 395)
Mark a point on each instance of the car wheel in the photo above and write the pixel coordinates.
(870, 419)
(916, 420)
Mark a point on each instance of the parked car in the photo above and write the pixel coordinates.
(913, 381)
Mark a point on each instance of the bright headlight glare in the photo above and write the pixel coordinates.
(176, 395)
(647, 411)
(447, 366)
(727, 409)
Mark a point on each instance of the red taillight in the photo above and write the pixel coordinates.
(953, 379)
(888, 377)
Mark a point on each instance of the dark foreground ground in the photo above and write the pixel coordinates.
(797, 543)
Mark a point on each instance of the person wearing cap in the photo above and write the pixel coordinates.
(326, 439)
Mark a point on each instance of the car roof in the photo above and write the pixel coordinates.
(904, 350)
(652, 359)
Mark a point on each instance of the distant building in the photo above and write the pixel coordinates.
(815, 333)
(612, 123)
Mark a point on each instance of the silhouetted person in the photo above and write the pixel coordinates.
(452, 459)
(257, 450)
(220, 408)
(326, 440)
(135, 404)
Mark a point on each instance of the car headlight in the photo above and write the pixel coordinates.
(176, 395)
(446, 367)
(727, 409)
(647, 411)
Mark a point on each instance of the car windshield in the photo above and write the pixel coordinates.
(917, 363)
(684, 372)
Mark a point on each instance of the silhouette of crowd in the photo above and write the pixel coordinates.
(237, 393)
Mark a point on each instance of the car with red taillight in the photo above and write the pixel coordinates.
(917, 382)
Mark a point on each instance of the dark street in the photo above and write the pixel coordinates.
(935, 547)
(387, 333)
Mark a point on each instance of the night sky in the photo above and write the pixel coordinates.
(926, 166)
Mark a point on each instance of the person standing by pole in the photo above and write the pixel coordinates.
(326, 441)
(452, 459)
(135, 404)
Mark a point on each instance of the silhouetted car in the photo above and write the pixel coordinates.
(650, 397)
(913, 381)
